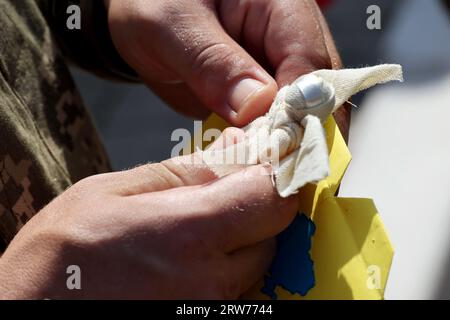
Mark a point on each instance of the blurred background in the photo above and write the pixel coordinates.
(399, 137)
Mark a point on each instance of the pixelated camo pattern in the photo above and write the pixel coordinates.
(47, 139)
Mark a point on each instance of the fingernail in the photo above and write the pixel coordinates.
(243, 91)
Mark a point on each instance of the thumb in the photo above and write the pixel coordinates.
(219, 71)
(188, 170)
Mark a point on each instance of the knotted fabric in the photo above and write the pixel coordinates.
(291, 136)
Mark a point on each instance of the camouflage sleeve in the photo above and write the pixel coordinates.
(89, 47)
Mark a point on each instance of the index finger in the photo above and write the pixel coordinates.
(233, 212)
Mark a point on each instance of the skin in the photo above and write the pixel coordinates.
(200, 50)
(160, 231)
(173, 229)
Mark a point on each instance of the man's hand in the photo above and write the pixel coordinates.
(229, 56)
(166, 230)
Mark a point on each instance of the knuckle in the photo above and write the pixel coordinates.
(86, 185)
(167, 174)
(211, 55)
(81, 187)
(317, 56)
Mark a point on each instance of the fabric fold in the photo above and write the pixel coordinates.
(290, 136)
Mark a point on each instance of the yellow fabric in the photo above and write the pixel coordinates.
(350, 238)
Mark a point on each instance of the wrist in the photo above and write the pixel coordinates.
(34, 266)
